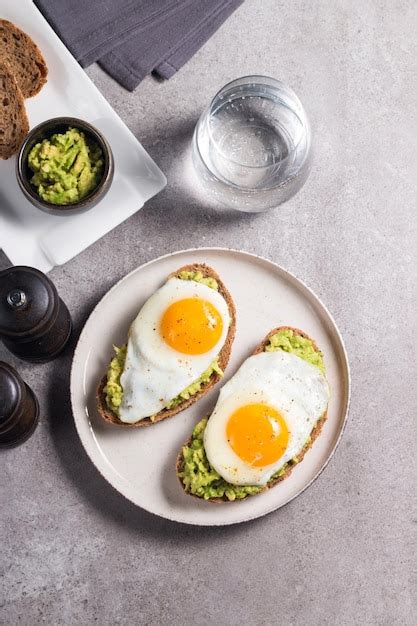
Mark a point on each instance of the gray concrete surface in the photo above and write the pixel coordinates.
(75, 552)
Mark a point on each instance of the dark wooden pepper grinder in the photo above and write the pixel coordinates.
(19, 409)
(35, 324)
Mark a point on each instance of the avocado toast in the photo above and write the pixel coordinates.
(110, 383)
(195, 473)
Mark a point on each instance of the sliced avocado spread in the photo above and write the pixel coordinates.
(197, 475)
(113, 389)
(67, 167)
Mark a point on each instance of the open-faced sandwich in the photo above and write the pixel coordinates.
(265, 420)
(177, 349)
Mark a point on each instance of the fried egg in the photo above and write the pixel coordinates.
(264, 416)
(177, 334)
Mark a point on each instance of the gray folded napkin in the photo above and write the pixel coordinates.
(132, 38)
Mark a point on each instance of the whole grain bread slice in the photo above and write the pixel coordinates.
(24, 57)
(14, 124)
(313, 436)
(224, 356)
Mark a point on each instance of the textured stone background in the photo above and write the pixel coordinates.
(75, 552)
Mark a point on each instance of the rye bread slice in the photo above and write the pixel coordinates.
(24, 57)
(224, 356)
(313, 436)
(14, 124)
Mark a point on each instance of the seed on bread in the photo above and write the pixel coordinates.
(24, 58)
(224, 355)
(14, 124)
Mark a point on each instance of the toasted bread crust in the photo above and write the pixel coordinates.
(224, 356)
(313, 436)
(24, 57)
(14, 124)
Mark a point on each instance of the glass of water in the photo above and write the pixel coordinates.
(252, 145)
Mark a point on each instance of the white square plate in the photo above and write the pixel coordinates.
(27, 235)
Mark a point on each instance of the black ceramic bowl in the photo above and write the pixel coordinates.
(44, 131)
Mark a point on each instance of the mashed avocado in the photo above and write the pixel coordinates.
(301, 346)
(200, 479)
(199, 278)
(67, 167)
(113, 389)
(192, 389)
(197, 475)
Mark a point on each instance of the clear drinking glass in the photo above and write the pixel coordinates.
(252, 145)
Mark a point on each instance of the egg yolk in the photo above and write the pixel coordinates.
(191, 326)
(258, 434)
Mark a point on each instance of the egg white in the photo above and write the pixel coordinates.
(155, 373)
(284, 381)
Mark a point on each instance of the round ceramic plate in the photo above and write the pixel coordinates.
(140, 463)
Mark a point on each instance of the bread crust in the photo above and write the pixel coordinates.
(313, 436)
(14, 124)
(224, 356)
(24, 57)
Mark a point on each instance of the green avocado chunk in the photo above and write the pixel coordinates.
(67, 167)
(197, 475)
(301, 346)
(113, 389)
(200, 479)
(199, 278)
